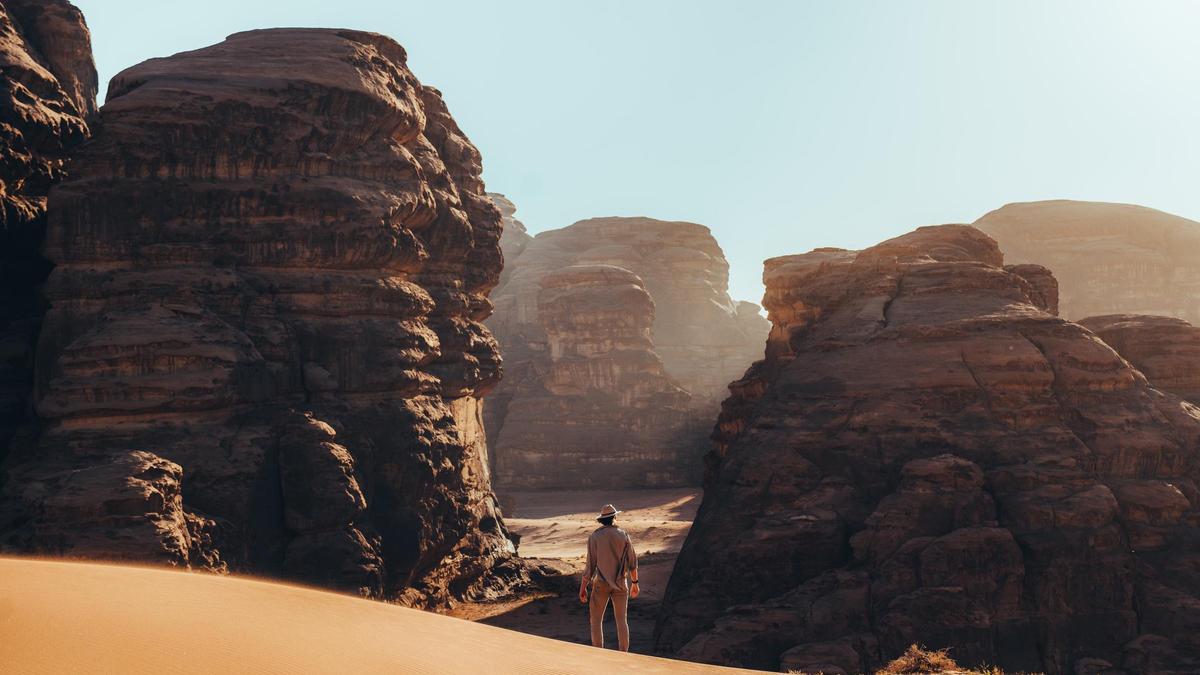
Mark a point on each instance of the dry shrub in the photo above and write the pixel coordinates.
(918, 660)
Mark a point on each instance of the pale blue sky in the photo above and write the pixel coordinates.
(781, 125)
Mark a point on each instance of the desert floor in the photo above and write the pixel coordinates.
(556, 525)
(71, 617)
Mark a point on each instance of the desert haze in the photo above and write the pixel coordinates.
(286, 387)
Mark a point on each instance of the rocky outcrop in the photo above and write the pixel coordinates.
(514, 237)
(704, 340)
(264, 349)
(61, 44)
(47, 95)
(1108, 258)
(1164, 349)
(602, 412)
(927, 455)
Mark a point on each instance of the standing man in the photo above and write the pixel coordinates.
(610, 560)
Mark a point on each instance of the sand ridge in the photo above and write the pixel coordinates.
(76, 617)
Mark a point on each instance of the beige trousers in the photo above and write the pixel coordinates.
(602, 592)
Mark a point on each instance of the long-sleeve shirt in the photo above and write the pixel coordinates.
(610, 554)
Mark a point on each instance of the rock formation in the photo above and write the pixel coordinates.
(1164, 349)
(704, 340)
(514, 238)
(1108, 258)
(601, 411)
(928, 455)
(47, 95)
(264, 349)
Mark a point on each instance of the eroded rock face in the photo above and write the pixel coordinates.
(928, 455)
(704, 340)
(264, 349)
(1108, 258)
(602, 412)
(47, 95)
(514, 238)
(1166, 350)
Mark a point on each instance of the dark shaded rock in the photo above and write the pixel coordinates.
(927, 455)
(61, 43)
(272, 264)
(47, 95)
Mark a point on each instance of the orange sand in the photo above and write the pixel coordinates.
(59, 617)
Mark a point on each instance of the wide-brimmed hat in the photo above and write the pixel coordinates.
(608, 511)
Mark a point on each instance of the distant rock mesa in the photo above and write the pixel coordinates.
(1108, 258)
(264, 349)
(928, 455)
(615, 385)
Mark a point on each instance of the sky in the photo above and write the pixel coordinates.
(782, 125)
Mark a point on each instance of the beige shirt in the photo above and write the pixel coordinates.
(610, 554)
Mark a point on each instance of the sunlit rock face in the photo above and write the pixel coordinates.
(928, 455)
(264, 349)
(703, 339)
(1108, 258)
(47, 96)
(1165, 349)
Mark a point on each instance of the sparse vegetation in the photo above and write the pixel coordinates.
(917, 660)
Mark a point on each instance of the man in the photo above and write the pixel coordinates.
(610, 561)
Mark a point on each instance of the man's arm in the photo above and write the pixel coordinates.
(631, 565)
(588, 571)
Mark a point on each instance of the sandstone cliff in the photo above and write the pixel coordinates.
(601, 411)
(1108, 258)
(928, 455)
(264, 350)
(704, 340)
(514, 237)
(47, 95)
(1164, 349)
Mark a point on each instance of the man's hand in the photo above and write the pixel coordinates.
(583, 594)
(635, 590)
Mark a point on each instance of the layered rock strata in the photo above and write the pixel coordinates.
(928, 455)
(47, 96)
(264, 350)
(514, 237)
(1166, 350)
(1108, 258)
(704, 340)
(602, 404)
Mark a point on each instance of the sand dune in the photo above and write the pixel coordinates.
(58, 617)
